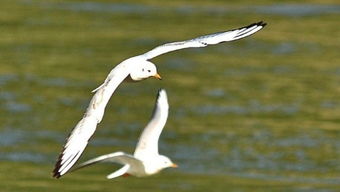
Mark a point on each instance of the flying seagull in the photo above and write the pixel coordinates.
(136, 68)
(146, 160)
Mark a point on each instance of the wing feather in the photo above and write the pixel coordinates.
(206, 40)
(116, 157)
(148, 142)
(80, 135)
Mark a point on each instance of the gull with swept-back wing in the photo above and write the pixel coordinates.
(146, 160)
(136, 68)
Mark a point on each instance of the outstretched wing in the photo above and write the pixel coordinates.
(206, 40)
(148, 141)
(80, 135)
(117, 157)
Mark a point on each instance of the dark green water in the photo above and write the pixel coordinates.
(260, 114)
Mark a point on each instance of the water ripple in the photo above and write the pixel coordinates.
(16, 107)
(100, 7)
(253, 107)
(5, 78)
(23, 157)
(10, 137)
(295, 10)
(290, 10)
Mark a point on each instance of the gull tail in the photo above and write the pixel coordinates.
(119, 172)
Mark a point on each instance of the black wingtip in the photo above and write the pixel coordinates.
(55, 172)
(260, 23)
(56, 175)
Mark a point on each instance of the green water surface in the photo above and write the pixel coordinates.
(259, 114)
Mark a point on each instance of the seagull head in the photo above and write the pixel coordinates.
(165, 162)
(143, 70)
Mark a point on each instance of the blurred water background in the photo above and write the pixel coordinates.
(259, 114)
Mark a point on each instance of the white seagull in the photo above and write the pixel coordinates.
(146, 160)
(136, 68)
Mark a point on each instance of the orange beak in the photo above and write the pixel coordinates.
(174, 165)
(157, 76)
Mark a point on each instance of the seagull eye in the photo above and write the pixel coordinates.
(149, 70)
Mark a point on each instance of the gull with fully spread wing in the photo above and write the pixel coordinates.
(146, 160)
(136, 68)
